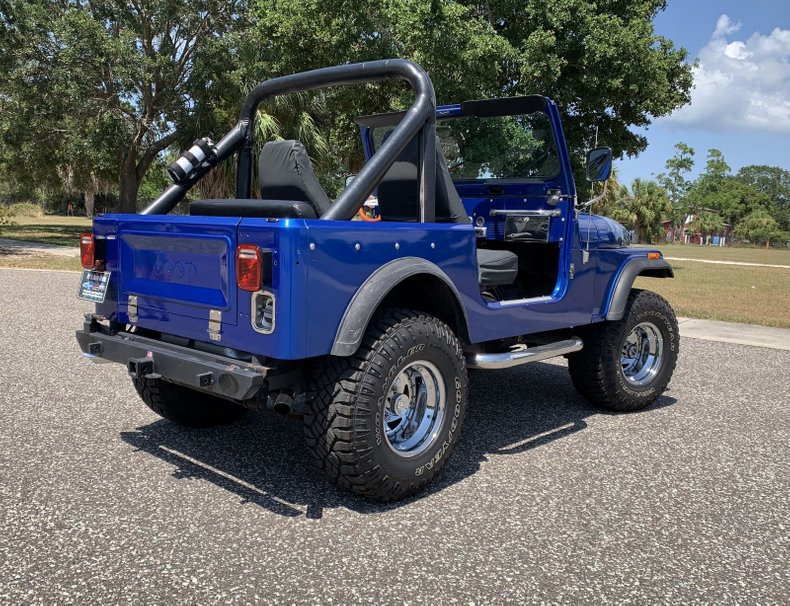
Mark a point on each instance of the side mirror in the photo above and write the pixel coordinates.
(599, 164)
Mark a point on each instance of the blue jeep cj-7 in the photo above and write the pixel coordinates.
(476, 256)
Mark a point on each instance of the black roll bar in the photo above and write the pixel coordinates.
(224, 149)
(418, 121)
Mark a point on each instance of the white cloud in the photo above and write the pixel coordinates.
(725, 26)
(737, 50)
(741, 84)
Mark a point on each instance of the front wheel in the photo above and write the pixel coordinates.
(626, 365)
(383, 422)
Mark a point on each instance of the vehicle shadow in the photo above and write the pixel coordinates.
(263, 461)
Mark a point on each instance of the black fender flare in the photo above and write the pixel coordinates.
(373, 291)
(641, 266)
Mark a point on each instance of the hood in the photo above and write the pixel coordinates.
(602, 232)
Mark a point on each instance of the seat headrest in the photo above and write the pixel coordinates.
(285, 173)
(449, 208)
(399, 191)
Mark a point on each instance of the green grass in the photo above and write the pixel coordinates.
(49, 229)
(28, 261)
(732, 293)
(773, 256)
(752, 295)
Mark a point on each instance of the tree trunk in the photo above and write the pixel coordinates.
(66, 174)
(130, 184)
(134, 167)
(90, 195)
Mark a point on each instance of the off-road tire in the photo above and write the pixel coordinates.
(597, 372)
(344, 416)
(185, 406)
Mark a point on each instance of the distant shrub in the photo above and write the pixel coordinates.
(5, 217)
(25, 209)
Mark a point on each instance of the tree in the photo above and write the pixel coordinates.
(706, 223)
(716, 167)
(602, 62)
(676, 184)
(460, 52)
(718, 190)
(613, 197)
(50, 131)
(85, 162)
(644, 210)
(139, 75)
(759, 227)
(773, 183)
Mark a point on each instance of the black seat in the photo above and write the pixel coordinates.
(399, 190)
(496, 267)
(399, 200)
(289, 188)
(285, 173)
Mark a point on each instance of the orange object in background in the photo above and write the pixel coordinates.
(365, 217)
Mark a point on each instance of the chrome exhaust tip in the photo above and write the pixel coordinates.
(283, 403)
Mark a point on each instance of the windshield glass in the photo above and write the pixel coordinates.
(495, 148)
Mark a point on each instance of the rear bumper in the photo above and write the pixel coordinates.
(218, 375)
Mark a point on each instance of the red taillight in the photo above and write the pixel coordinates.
(248, 267)
(87, 249)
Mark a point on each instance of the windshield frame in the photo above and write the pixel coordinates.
(484, 108)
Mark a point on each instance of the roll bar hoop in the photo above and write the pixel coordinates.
(418, 121)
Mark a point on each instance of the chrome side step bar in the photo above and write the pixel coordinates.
(508, 359)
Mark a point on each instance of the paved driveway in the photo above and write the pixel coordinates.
(546, 498)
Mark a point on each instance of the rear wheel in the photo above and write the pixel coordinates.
(383, 422)
(627, 364)
(186, 406)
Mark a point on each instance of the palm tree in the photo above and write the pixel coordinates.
(707, 223)
(284, 117)
(644, 211)
(615, 193)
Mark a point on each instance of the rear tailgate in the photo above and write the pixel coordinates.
(178, 267)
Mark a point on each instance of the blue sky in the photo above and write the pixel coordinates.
(741, 100)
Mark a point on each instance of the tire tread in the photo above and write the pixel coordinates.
(593, 368)
(333, 403)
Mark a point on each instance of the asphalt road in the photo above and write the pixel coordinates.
(545, 500)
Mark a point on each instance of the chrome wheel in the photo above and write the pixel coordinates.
(641, 354)
(414, 409)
